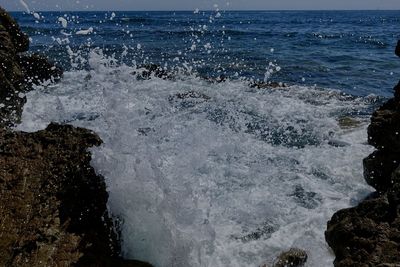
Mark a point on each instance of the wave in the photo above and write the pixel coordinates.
(213, 174)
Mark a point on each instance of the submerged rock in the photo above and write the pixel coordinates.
(293, 258)
(348, 123)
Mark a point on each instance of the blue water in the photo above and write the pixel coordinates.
(347, 50)
(228, 175)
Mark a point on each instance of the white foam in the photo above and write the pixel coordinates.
(63, 22)
(215, 182)
(85, 32)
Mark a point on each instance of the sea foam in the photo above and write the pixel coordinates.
(225, 174)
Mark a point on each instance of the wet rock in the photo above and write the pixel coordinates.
(367, 235)
(145, 72)
(37, 69)
(384, 130)
(18, 72)
(19, 39)
(378, 168)
(398, 49)
(293, 258)
(337, 143)
(348, 123)
(52, 204)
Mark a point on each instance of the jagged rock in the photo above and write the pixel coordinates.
(384, 130)
(18, 72)
(19, 39)
(37, 69)
(367, 235)
(52, 204)
(378, 168)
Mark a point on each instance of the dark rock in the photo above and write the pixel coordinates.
(38, 69)
(369, 234)
(378, 169)
(18, 72)
(398, 49)
(397, 92)
(52, 204)
(294, 258)
(19, 39)
(384, 130)
(145, 72)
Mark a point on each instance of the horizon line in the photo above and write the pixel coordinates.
(208, 10)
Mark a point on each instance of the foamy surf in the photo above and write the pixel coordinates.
(213, 174)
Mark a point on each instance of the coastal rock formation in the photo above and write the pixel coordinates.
(18, 71)
(52, 204)
(369, 234)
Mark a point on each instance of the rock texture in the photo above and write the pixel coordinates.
(369, 234)
(52, 204)
(292, 258)
(18, 71)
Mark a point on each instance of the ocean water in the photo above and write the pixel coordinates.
(220, 174)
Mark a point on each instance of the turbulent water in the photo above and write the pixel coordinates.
(220, 174)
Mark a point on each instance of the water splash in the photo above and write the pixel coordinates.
(212, 174)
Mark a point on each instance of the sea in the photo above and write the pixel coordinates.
(203, 168)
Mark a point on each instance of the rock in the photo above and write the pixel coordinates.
(369, 234)
(19, 39)
(398, 49)
(378, 169)
(348, 123)
(38, 69)
(18, 72)
(145, 72)
(53, 205)
(293, 258)
(384, 130)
